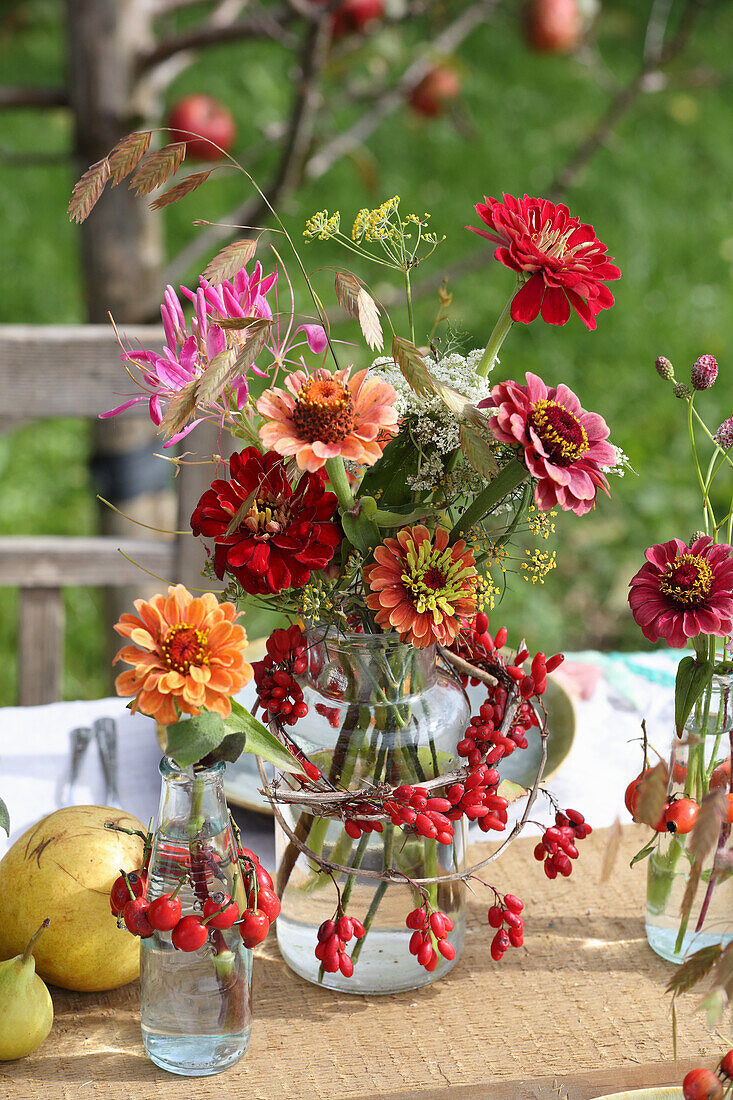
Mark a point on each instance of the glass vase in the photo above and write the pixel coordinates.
(378, 711)
(700, 762)
(195, 1009)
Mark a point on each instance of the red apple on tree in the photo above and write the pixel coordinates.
(201, 114)
(431, 96)
(553, 26)
(354, 16)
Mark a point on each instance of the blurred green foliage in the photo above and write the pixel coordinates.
(657, 192)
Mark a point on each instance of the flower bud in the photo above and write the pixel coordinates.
(665, 369)
(683, 391)
(695, 536)
(724, 435)
(704, 372)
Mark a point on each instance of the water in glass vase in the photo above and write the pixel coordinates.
(379, 711)
(195, 1010)
(690, 893)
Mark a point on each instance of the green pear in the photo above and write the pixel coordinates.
(26, 1008)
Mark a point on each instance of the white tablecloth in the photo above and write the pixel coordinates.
(612, 692)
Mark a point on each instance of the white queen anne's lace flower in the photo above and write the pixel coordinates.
(433, 426)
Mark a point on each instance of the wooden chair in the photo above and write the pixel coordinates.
(79, 367)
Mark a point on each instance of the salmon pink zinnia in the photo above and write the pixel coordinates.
(565, 447)
(562, 260)
(324, 415)
(184, 650)
(422, 587)
(683, 591)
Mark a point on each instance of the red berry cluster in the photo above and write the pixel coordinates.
(263, 904)
(476, 799)
(129, 903)
(365, 822)
(509, 925)
(415, 808)
(558, 845)
(279, 693)
(333, 935)
(430, 930)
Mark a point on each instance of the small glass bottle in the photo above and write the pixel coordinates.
(700, 763)
(195, 1009)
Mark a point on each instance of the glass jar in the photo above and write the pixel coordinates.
(195, 1010)
(378, 711)
(700, 763)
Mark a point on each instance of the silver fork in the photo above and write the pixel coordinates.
(105, 732)
(80, 739)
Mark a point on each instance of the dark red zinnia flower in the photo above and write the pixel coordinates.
(565, 263)
(683, 591)
(284, 533)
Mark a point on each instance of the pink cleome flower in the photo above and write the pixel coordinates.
(564, 262)
(683, 591)
(185, 356)
(565, 447)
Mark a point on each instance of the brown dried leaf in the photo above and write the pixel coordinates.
(477, 452)
(228, 262)
(613, 844)
(180, 410)
(723, 974)
(241, 513)
(216, 376)
(688, 898)
(369, 320)
(87, 191)
(258, 332)
(413, 367)
(347, 288)
(185, 187)
(651, 795)
(713, 812)
(694, 969)
(157, 168)
(234, 323)
(127, 154)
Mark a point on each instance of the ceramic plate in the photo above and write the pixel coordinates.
(669, 1093)
(243, 781)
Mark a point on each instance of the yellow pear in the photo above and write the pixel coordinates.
(64, 867)
(26, 1009)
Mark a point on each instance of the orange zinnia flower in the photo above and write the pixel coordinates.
(186, 651)
(324, 415)
(422, 588)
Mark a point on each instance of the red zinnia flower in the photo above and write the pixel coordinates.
(565, 262)
(683, 591)
(565, 447)
(282, 534)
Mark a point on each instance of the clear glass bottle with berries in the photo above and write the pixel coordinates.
(195, 970)
(378, 711)
(689, 881)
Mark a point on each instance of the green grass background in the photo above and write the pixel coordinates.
(659, 193)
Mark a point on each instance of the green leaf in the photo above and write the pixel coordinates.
(387, 477)
(510, 790)
(191, 739)
(361, 531)
(645, 851)
(4, 817)
(505, 482)
(693, 677)
(476, 451)
(260, 742)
